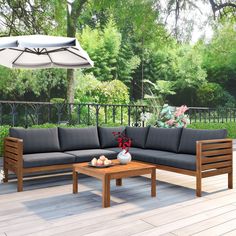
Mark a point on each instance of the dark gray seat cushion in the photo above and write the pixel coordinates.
(106, 137)
(182, 161)
(163, 139)
(37, 140)
(88, 155)
(47, 159)
(190, 136)
(78, 138)
(138, 135)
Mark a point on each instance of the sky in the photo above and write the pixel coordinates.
(198, 21)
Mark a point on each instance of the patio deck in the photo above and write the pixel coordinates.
(48, 207)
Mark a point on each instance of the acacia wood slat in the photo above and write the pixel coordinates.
(217, 152)
(47, 168)
(216, 146)
(11, 155)
(177, 170)
(215, 141)
(11, 149)
(11, 144)
(217, 172)
(216, 159)
(11, 161)
(216, 165)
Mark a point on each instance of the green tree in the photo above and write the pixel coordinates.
(113, 60)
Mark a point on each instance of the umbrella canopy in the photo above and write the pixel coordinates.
(42, 51)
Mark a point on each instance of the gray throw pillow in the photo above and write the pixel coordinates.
(190, 136)
(163, 139)
(138, 135)
(78, 138)
(106, 137)
(37, 140)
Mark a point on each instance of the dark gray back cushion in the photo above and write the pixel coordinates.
(190, 136)
(163, 139)
(106, 137)
(37, 140)
(78, 138)
(138, 135)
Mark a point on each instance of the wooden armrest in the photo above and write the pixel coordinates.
(13, 149)
(215, 155)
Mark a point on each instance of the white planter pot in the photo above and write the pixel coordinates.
(123, 157)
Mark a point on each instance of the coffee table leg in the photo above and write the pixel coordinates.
(118, 182)
(153, 191)
(106, 191)
(75, 181)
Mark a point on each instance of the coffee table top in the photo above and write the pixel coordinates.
(133, 168)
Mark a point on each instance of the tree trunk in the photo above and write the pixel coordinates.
(71, 30)
(72, 18)
(142, 71)
(70, 85)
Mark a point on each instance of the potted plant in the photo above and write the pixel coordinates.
(124, 143)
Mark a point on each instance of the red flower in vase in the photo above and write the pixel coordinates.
(124, 142)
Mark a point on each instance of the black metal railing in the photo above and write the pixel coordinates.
(15, 113)
(26, 114)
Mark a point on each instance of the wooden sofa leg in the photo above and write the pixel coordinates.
(198, 186)
(20, 181)
(230, 180)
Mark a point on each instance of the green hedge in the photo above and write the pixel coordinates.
(230, 126)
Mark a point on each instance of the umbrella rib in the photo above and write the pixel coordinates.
(76, 54)
(48, 55)
(18, 57)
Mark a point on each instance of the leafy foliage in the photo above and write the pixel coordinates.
(89, 89)
(113, 60)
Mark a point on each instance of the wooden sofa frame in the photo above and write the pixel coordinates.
(213, 157)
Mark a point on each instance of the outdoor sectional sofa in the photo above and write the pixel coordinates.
(200, 153)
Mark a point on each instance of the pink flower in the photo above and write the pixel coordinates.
(181, 110)
(170, 122)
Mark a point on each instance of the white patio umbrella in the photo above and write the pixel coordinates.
(42, 51)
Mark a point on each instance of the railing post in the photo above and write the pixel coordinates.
(114, 114)
(97, 114)
(143, 111)
(129, 111)
(0, 113)
(88, 117)
(78, 113)
(105, 113)
(121, 115)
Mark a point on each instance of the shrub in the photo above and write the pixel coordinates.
(4, 131)
(230, 126)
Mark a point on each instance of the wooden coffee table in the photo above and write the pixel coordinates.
(116, 172)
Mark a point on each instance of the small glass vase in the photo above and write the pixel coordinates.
(124, 157)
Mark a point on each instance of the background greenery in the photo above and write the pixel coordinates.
(130, 42)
